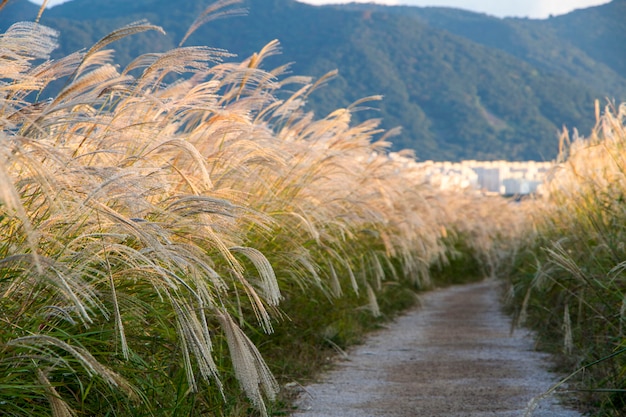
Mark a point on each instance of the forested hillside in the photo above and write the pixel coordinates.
(461, 85)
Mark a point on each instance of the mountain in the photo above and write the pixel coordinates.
(584, 44)
(462, 85)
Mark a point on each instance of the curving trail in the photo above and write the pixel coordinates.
(454, 356)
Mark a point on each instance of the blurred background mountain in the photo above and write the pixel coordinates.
(462, 85)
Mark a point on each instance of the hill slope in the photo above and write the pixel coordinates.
(462, 85)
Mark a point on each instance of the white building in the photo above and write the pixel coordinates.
(502, 177)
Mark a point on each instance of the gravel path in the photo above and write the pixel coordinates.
(454, 356)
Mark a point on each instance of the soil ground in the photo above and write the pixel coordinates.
(453, 356)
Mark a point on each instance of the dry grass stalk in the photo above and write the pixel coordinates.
(134, 193)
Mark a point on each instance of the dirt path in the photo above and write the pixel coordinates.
(454, 356)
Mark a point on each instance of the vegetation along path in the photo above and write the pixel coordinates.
(454, 356)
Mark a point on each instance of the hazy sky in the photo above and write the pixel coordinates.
(501, 8)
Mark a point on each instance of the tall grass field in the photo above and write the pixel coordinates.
(569, 281)
(191, 246)
(181, 237)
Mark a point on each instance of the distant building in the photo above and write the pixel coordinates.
(502, 177)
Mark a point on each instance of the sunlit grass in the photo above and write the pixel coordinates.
(153, 235)
(571, 282)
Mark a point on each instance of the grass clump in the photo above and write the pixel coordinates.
(569, 283)
(178, 237)
(157, 237)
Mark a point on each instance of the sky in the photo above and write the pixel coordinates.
(536, 9)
